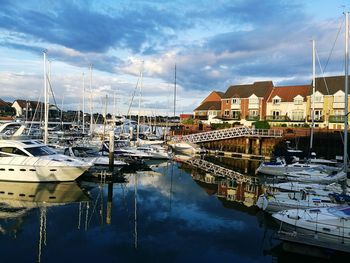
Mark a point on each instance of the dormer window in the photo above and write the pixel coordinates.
(276, 101)
(298, 100)
(236, 101)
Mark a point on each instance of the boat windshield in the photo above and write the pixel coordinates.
(40, 151)
(85, 152)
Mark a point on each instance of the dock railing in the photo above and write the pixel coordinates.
(229, 133)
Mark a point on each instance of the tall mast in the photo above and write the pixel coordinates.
(175, 93)
(138, 115)
(46, 115)
(313, 94)
(91, 106)
(83, 102)
(346, 111)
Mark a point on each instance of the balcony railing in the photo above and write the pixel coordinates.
(336, 118)
(252, 117)
(277, 118)
(317, 118)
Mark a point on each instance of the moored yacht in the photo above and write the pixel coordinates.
(88, 154)
(329, 224)
(33, 161)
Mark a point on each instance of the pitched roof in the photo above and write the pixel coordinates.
(31, 104)
(329, 85)
(209, 105)
(4, 103)
(220, 93)
(259, 88)
(288, 93)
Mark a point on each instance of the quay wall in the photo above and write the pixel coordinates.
(327, 143)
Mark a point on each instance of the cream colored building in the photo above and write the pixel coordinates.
(287, 104)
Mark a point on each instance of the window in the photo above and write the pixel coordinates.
(318, 99)
(40, 151)
(12, 150)
(318, 115)
(235, 114)
(275, 114)
(226, 113)
(253, 101)
(276, 101)
(227, 101)
(253, 113)
(297, 115)
(298, 101)
(236, 101)
(339, 112)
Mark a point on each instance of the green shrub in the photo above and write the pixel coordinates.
(261, 125)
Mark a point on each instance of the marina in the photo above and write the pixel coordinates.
(161, 132)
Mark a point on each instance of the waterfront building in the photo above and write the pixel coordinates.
(34, 109)
(246, 103)
(209, 111)
(287, 104)
(329, 102)
(5, 109)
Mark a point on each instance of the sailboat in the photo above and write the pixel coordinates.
(328, 224)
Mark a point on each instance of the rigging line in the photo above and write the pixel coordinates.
(335, 41)
(133, 95)
(324, 79)
(50, 86)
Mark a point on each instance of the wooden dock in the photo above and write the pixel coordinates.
(245, 156)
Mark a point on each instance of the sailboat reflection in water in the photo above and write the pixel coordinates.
(18, 198)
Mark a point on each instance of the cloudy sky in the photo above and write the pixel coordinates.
(214, 44)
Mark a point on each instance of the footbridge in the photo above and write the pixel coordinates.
(230, 133)
(220, 171)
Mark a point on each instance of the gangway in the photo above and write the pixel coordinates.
(229, 133)
(220, 171)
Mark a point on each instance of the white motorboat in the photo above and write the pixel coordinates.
(155, 151)
(330, 224)
(33, 161)
(283, 200)
(88, 154)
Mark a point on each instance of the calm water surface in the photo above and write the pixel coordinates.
(174, 214)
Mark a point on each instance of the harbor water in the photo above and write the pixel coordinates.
(173, 213)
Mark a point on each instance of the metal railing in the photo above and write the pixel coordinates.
(230, 133)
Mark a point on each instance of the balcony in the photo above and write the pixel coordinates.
(282, 118)
(252, 117)
(317, 118)
(201, 117)
(336, 118)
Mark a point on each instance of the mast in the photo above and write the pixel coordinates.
(346, 88)
(91, 106)
(313, 95)
(83, 102)
(46, 100)
(175, 93)
(138, 115)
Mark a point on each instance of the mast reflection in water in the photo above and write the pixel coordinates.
(176, 214)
